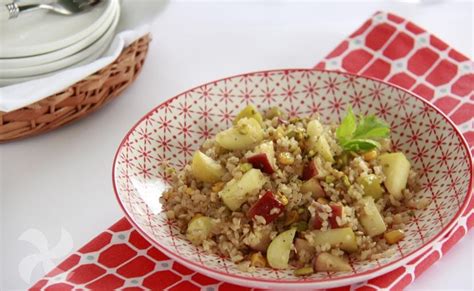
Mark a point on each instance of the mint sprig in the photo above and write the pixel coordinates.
(361, 134)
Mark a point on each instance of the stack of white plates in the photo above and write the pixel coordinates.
(39, 44)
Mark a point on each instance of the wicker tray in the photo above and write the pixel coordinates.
(78, 100)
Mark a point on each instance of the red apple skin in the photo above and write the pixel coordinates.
(262, 162)
(320, 190)
(317, 222)
(337, 211)
(264, 206)
(309, 171)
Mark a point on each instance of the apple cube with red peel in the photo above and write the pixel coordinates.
(261, 161)
(314, 187)
(337, 211)
(264, 158)
(309, 170)
(317, 222)
(268, 207)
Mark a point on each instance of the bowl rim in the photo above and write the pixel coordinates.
(321, 283)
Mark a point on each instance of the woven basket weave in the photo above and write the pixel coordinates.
(78, 100)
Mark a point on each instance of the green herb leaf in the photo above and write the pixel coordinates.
(362, 134)
(356, 145)
(347, 127)
(371, 127)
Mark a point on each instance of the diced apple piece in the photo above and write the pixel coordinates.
(264, 158)
(371, 185)
(249, 112)
(235, 191)
(317, 141)
(261, 161)
(337, 211)
(309, 171)
(267, 148)
(244, 135)
(259, 240)
(370, 218)
(396, 168)
(205, 168)
(278, 252)
(199, 229)
(268, 206)
(326, 262)
(314, 187)
(316, 222)
(314, 129)
(343, 238)
(322, 146)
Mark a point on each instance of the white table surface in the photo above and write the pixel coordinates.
(61, 181)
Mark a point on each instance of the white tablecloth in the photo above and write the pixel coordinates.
(60, 182)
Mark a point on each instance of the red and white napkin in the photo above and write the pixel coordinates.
(386, 47)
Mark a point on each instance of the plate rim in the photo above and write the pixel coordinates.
(64, 52)
(324, 283)
(43, 48)
(93, 48)
(89, 59)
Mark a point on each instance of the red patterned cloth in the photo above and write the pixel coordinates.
(386, 47)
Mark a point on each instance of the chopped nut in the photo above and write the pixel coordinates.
(282, 198)
(286, 158)
(322, 200)
(245, 167)
(342, 161)
(394, 236)
(295, 119)
(189, 191)
(170, 171)
(330, 179)
(258, 260)
(291, 134)
(346, 181)
(370, 155)
(423, 203)
(273, 112)
(297, 134)
(279, 132)
(304, 271)
(217, 187)
(291, 217)
(300, 225)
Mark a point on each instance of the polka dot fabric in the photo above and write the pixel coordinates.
(386, 47)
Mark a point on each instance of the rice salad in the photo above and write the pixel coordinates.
(294, 193)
